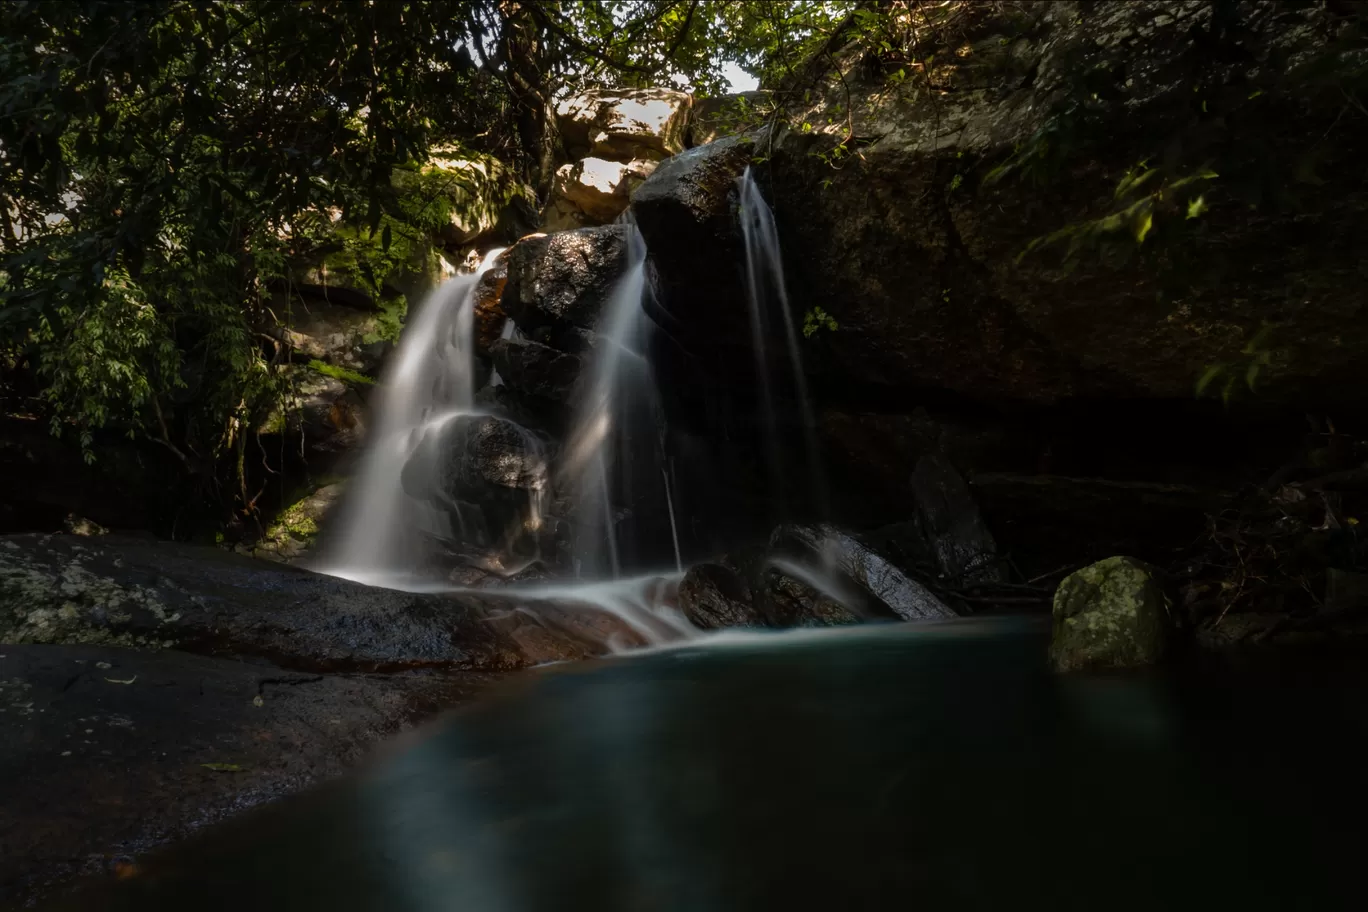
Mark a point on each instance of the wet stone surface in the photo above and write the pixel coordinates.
(107, 752)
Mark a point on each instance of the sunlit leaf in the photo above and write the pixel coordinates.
(1209, 375)
(1143, 226)
(1196, 207)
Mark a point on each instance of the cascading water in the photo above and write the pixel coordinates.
(383, 531)
(619, 410)
(421, 495)
(768, 298)
(400, 517)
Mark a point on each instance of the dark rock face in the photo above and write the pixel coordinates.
(110, 752)
(42, 481)
(963, 547)
(1055, 521)
(560, 282)
(686, 211)
(489, 313)
(912, 246)
(536, 369)
(713, 596)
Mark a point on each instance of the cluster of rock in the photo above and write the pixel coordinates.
(614, 141)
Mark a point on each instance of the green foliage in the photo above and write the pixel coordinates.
(164, 162)
(1143, 194)
(341, 373)
(816, 320)
(103, 352)
(1228, 376)
(389, 322)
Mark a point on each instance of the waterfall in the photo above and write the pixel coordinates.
(619, 409)
(768, 300)
(382, 530)
(440, 481)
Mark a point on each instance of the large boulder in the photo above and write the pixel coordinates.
(625, 124)
(687, 213)
(1111, 614)
(1090, 200)
(325, 408)
(880, 588)
(592, 191)
(488, 475)
(559, 283)
(535, 369)
(713, 596)
(790, 596)
(478, 458)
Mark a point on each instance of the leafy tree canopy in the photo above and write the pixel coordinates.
(161, 162)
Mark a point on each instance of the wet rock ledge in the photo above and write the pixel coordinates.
(149, 688)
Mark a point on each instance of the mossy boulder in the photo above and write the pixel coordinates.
(1111, 614)
(288, 538)
(321, 402)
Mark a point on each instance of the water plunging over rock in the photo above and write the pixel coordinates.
(383, 528)
(772, 319)
(615, 422)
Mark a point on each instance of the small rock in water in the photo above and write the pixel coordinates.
(790, 602)
(712, 596)
(1112, 614)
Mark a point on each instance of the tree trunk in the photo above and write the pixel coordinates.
(523, 50)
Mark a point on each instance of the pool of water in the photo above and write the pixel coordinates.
(935, 766)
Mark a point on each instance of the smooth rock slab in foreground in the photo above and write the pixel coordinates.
(108, 752)
(147, 594)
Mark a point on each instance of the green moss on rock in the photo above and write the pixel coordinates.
(341, 373)
(1112, 614)
(288, 538)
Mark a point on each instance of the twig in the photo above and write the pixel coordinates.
(1058, 570)
(165, 439)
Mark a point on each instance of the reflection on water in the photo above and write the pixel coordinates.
(936, 766)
